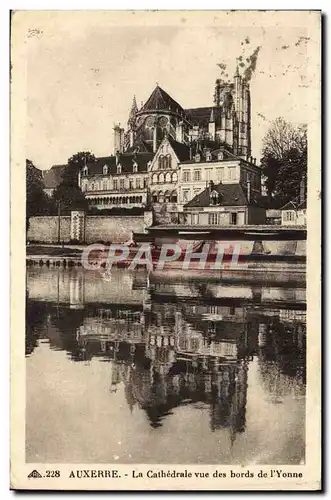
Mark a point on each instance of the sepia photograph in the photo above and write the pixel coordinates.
(165, 206)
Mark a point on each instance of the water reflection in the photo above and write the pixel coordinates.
(180, 343)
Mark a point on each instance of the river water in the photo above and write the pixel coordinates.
(153, 368)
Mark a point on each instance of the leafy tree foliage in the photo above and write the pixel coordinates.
(68, 193)
(284, 160)
(37, 202)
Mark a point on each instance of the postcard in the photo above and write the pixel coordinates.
(165, 250)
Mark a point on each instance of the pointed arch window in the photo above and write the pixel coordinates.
(161, 162)
(85, 171)
(105, 170)
(135, 167)
(119, 169)
(168, 161)
(161, 178)
(155, 179)
(168, 177)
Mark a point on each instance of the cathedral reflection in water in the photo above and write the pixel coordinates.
(174, 342)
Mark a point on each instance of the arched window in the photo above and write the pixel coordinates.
(85, 171)
(173, 197)
(92, 186)
(154, 197)
(135, 167)
(161, 197)
(167, 196)
(105, 170)
(168, 161)
(168, 177)
(174, 177)
(155, 179)
(161, 162)
(161, 178)
(119, 169)
(84, 186)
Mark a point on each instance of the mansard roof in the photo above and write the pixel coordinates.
(126, 160)
(160, 100)
(229, 195)
(202, 147)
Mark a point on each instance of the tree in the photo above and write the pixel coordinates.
(68, 192)
(284, 160)
(75, 165)
(37, 202)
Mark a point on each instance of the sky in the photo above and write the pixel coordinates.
(83, 69)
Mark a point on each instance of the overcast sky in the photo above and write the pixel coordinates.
(83, 69)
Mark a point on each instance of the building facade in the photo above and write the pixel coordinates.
(224, 205)
(116, 181)
(294, 214)
(167, 155)
(216, 166)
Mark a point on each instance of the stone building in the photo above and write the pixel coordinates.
(116, 181)
(220, 165)
(227, 122)
(167, 154)
(224, 205)
(164, 170)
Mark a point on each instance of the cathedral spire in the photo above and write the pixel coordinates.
(133, 113)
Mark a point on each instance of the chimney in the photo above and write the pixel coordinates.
(249, 191)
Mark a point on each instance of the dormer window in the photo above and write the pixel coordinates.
(197, 157)
(85, 171)
(135, 167)
(220, 155)
(119, 169)
(208, 156)
(214, 198)
(105, 170)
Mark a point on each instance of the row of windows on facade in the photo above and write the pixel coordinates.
(117, 184)
(161, 178)
(215, 219)
(166, 197)
(209, 175)
(122, 200)
(196, 175)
